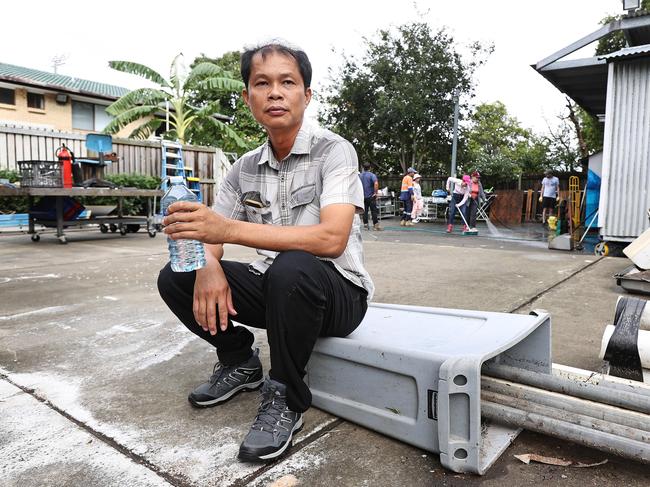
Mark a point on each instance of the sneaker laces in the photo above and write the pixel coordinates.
(271, 408)
(217, 372)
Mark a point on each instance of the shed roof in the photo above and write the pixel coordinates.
(628, 52)
(585, 80)
(59, 82)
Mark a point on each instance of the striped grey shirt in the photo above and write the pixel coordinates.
(320, 170)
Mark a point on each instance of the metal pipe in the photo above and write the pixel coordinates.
(635, 401)
(570, 404)
(454, 142)
(600, 440)
(572, 418)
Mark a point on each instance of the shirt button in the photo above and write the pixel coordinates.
(284, 207)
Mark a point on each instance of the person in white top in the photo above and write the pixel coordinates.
(460, 189)
(548, 194)
(418, 204)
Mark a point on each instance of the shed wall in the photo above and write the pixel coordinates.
(625, 192)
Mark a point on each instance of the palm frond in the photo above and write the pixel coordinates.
(139, 70)
(128, 116)
(175, 73)
(220, 83)
(205, 69)
(227, 132)
(141, 96)
(146, 129)
(211, 108)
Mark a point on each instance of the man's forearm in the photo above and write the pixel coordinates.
(318, 240)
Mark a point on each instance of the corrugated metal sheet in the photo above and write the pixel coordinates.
(625, 194)
(10, 72)
(627, 52)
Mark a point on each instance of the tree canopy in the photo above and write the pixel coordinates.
(395, 104)
(498, 145)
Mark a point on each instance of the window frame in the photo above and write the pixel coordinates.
(13, 92)
(94, 119)
(31, 96)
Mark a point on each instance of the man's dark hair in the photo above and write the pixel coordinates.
(304, 66)
(366, 166)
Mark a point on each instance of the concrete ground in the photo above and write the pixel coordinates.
(95, 371)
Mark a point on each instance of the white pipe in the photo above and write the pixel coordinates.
(643, 342)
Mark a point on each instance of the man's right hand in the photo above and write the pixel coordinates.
(212, 292)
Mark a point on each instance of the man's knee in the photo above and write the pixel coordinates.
(169, 281)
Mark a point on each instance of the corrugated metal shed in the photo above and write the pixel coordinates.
(625, 191)
(59, 82)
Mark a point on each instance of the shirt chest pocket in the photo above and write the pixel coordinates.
(302, 195)
(259, 215)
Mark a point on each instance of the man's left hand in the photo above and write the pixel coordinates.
(186, 219)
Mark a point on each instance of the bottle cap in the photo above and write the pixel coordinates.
(176, 180)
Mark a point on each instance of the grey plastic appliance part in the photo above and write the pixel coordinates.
(414, 374)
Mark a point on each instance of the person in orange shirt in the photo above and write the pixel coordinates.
(407, 197)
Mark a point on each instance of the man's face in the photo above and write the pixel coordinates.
(276, 92)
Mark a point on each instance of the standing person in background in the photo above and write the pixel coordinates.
(370, 189)
(407, 197)
(549, 193)
(458, 194)
(475, 196)
(418, 203)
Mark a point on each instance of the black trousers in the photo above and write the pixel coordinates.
(372, 204)
(472, 210)
(298, 299)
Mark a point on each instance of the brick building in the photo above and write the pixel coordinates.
(39, 99)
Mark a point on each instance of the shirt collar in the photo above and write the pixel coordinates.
(300, 145)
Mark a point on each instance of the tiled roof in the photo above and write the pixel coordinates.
(34, 77)
(628, 52)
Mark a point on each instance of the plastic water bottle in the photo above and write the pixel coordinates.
(185, 255)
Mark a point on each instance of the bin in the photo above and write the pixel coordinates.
(414, 374)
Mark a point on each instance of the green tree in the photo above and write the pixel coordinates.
(616, 40)
(395, 103)
(499, 146)
(232, 105)
(172, 99)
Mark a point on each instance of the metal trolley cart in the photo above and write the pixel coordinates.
(117, 222)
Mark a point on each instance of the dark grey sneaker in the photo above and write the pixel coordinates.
(272, 431)
(228, 380)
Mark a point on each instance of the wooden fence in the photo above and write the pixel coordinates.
(19, 143)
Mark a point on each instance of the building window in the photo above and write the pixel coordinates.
(88, 116)
(35, 100)
(83, 116)
(7, 96)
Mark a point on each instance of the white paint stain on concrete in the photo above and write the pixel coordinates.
(4, 280)
(203, 463)
(165, 353)
(38, 442)
(41, 311)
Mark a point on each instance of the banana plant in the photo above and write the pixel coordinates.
(149, 108)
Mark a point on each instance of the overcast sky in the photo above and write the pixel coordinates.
(92, 33)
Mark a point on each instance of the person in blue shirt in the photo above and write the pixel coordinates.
(370, 188)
